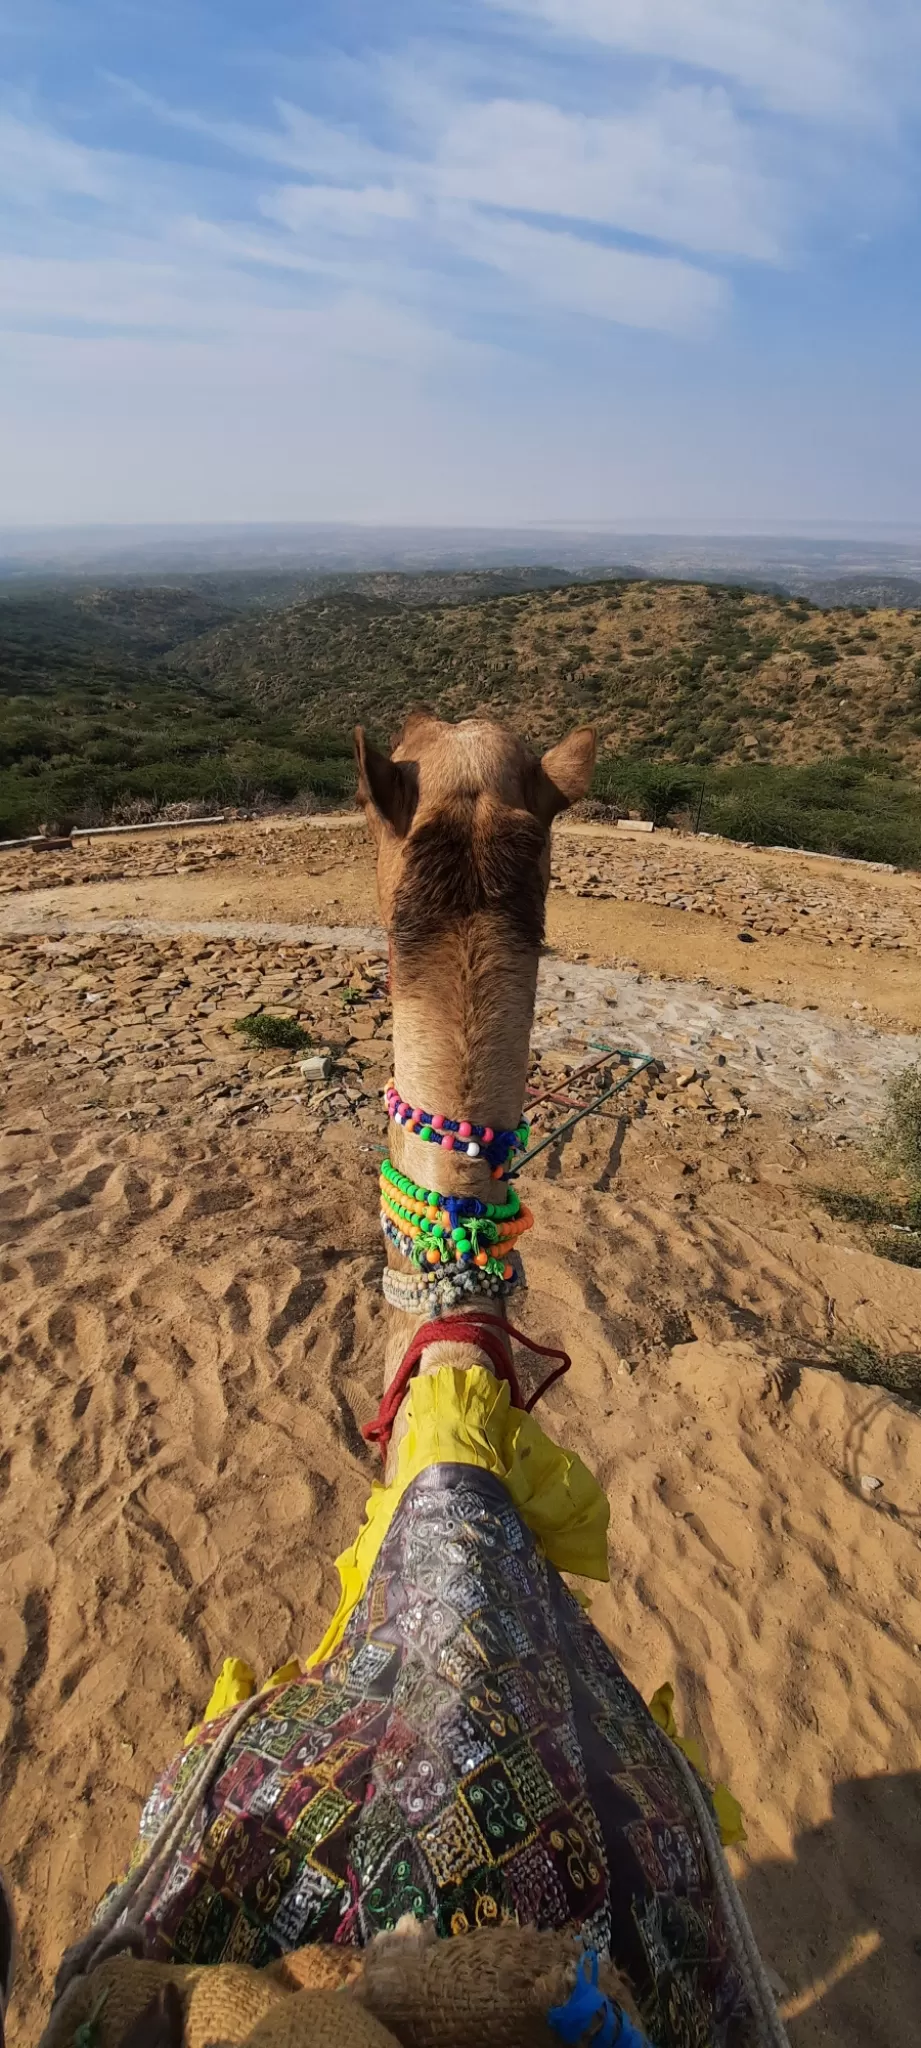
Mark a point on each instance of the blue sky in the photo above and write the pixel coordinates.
(647, 261)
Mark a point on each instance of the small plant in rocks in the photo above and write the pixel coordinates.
(276, 1034)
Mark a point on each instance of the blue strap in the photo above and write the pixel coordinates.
(585, 2004)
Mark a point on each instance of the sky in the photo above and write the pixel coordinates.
(461, 261)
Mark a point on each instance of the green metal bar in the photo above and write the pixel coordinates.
(550, 1094)
(640, 1061)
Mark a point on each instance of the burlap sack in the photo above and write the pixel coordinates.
(489, 1989)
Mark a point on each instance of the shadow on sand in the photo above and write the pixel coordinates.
(841, 1923)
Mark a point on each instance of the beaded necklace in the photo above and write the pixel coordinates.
(478, 1141)
(445, 1230)
(435, 1291)
(461, 1246)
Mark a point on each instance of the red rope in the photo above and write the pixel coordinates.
(473, 1329)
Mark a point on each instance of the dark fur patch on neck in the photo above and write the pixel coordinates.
(461, 865)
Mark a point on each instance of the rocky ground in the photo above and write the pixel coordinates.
(145, 1028)
(765, 893)
(144, 1023)
(783, 927)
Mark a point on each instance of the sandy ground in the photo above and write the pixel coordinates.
(192, 1337)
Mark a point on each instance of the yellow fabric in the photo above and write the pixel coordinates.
(460, 1417)
(236, 1682)
(725, 1805)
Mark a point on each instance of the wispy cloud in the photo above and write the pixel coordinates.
(298, 140)
(826, 59)
(38, 164)
(677, 168)
(566, 271)
(519, 201)
(505, 182)
(343, 210)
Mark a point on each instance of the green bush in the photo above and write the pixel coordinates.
(899, 1135)
(156, 696)
(900, 1371)
(823, 652)
(853, 1207)
(853, 806)
(902, 1248)
(276, 1033)
(657, 790)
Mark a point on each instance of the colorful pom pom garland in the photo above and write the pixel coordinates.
(477, 1141)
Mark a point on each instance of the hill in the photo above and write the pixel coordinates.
(92, 728)
(689, 672)
(121, 699)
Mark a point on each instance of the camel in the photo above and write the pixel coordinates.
(460, 817)
(462, 1755)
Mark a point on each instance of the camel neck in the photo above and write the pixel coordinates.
(462, 1033)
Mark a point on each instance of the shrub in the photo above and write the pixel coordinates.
(273, 1033)
(657, 790)
(823, 652)
(899, 1134)
(903, 1248)
(900, 1371)
(853, 1207)
(900, 1239)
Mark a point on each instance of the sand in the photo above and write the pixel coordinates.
(192, 1337)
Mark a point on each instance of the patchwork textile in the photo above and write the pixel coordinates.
(470, 1753)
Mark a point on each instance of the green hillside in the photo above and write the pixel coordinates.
(788, 723)
(686, 671)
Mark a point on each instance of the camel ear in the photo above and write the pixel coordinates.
(385, 787)
(567, 770)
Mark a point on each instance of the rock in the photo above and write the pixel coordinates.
(746, 938)
(317, 1067)
(685, 1076)
(375, 1054)
(869, 1483)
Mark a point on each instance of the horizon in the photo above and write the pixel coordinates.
(894, 532)
(881, 568)
(525, 263)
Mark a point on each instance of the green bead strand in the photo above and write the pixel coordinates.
(500, 1212)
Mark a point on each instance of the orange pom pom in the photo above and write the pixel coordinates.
(481, 1259)
(433, 1255)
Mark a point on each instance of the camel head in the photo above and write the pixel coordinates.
(461, 816)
